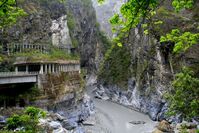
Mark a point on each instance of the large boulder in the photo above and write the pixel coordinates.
(164, 126)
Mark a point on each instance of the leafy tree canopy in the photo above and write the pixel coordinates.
(184, 99)
(182, 40)
(9, 13)
(137, 12)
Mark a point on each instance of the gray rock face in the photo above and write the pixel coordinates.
(150, 105)
(68, 119)
(151, 71)
(85, 31)
(55, 125)
(35, 28)
(105, 11)
(71, 24)
(72, 116)
(146, 87)
(149, 79)
(60, 33)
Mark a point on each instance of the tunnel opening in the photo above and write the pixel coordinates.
(17, 95)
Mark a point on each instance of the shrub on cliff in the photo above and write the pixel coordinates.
(184, 98)
(28, 121)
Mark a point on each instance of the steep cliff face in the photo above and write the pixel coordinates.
(70, 25)
(35, 28)
(60, 33)
(63, 88)
(152, 66)
(104, 12)
(83, 30)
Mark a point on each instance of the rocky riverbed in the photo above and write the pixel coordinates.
(111, 117)
(68, 120)
(96, 113)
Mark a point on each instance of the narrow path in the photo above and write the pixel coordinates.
(113, 118)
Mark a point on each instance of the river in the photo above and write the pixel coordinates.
(114, 118)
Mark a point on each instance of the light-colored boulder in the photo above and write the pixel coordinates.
(165, 126)
(55, 124)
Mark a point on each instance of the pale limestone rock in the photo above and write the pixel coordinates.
(165, 126)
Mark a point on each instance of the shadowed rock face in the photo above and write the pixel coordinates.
(84, 31)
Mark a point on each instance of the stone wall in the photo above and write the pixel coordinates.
(59, 88)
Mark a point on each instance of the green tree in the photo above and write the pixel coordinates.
(182, 40)
(140, 12)
(29, 120)
(9, 13)
(184, 97)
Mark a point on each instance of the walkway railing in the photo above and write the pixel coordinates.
(9, 74)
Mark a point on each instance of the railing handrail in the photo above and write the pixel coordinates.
(73, 67)
(17, 73)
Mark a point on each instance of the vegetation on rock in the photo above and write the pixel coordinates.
(136, 14)
(9, 13)
(114, 69)
(182, 40)
(28, 121)
(53, 54)
(184, 98)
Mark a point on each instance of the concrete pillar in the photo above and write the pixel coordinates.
(53, 68)
(41, 69)
(64, 68)
(69, 67)
(16, 69)
(26, 68)
(59, 68)
(45, 68)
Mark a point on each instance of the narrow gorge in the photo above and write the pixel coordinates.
(99, 66)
